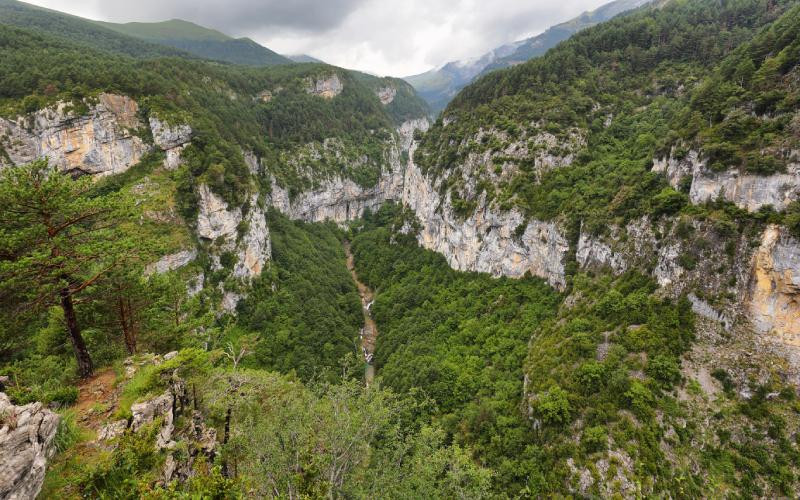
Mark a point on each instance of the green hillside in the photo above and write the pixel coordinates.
(174, 29)
(79, 30)
(630, 68)
(200, 41)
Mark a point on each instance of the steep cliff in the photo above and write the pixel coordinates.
(100, 142)
(488, 240)
(775, 287)
(747, 191)
(172, 139)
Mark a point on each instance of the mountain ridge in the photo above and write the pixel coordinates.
(439, 86)
(200, 41)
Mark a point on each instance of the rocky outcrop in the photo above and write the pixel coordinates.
(747, 191)
(255, 246)
(386, 94)
(775, 288)
(593, 253)
(172, 139)
(327, 87)
(101, 142)
(488, 240)
(221, 225)
(217, 223)
(27, 436)
(168, 136)
(165, 407)
(196, 438)
(215, 220)
(706, 310)
(171, 262)
(264, 96)
(406, 131)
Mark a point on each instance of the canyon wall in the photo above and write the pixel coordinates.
(747, 191)
(499, 242)
(487, 240)
(774, 300)
(101, 142)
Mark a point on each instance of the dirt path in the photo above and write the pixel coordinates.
(97, 398)
(370, 331)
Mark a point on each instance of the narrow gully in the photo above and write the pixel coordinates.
(369, 332)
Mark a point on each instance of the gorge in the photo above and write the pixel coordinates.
(581, 279)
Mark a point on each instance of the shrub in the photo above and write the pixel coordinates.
(553, 406)
(664, 369)
(640, 399)
(594, 439)
(591, 376)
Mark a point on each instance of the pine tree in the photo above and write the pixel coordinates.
(58, 241)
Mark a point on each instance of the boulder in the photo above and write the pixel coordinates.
(27, 436)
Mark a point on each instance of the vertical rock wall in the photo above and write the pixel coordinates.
(775, 290)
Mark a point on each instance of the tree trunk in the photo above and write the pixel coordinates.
(225, 471)
(85, 368)
(126, 321)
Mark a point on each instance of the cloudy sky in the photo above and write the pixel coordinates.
(399, 37)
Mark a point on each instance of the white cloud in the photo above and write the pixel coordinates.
(379, 36)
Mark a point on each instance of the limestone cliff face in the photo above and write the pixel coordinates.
(171, 262)
(338, 200)
(214, 219)
(386, 94)
(491, 240)
(747, 191)
(775, 289)
(327, 87)
(172, 139)
(220, 224)
(99, 143)
(229, 230)
(485, 241)
(341, 200)
(27, 436)
(254, 248)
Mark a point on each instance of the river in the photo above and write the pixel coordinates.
(369, 331)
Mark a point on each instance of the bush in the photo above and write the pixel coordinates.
(664, 369)
(668, 202)
(594, 439)
(553, 406)
(590, 376)
(640, 399)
